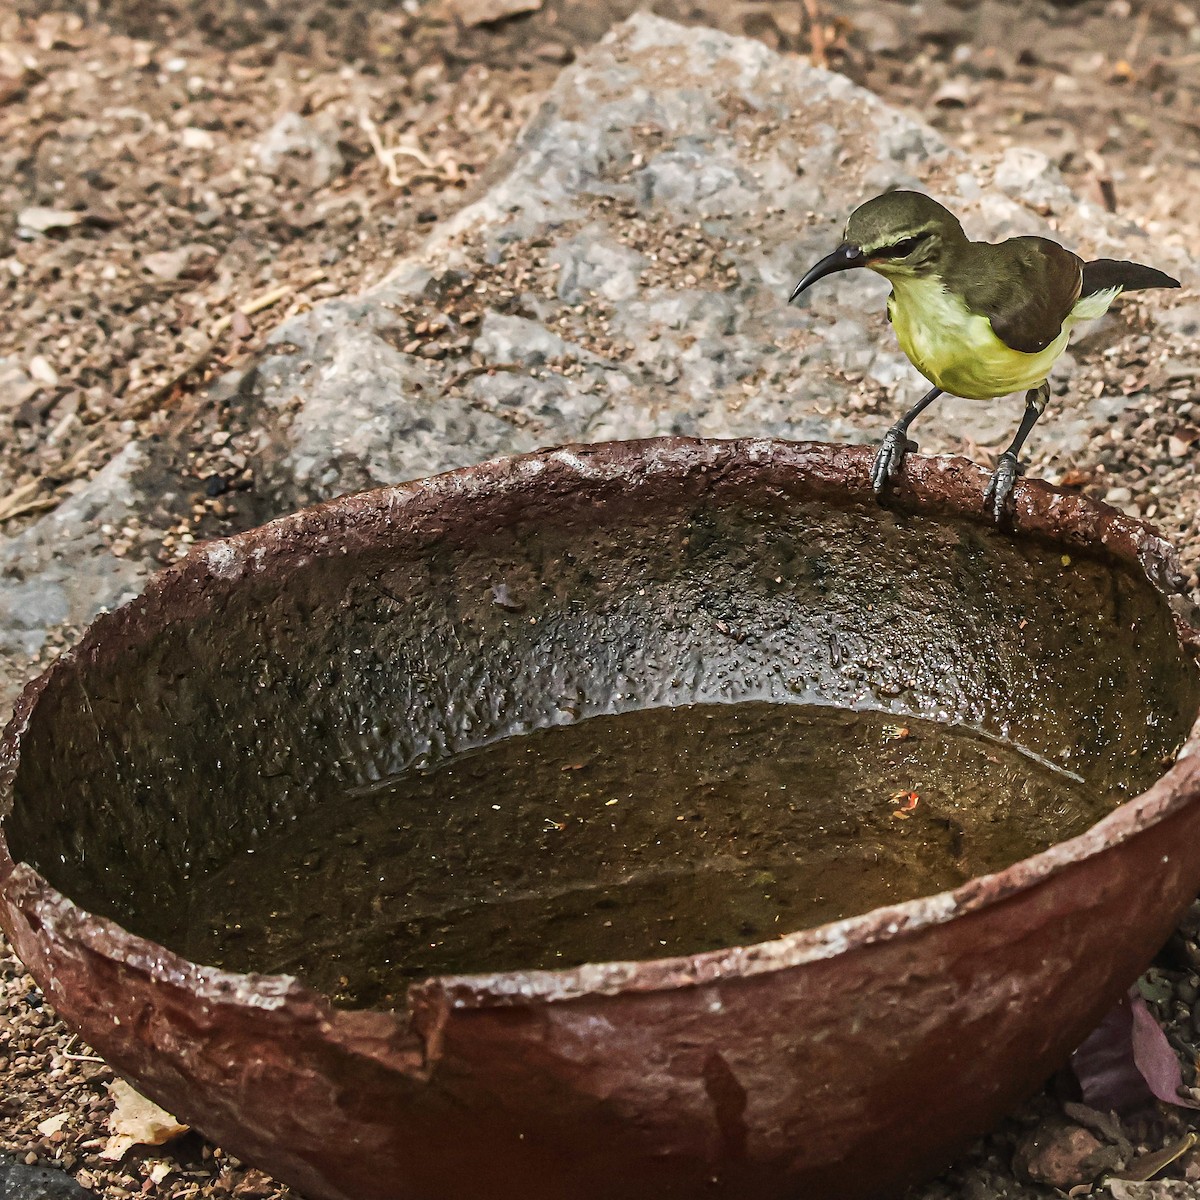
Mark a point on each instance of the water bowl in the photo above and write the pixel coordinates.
(657, 820)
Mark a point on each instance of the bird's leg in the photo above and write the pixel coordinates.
(890, 456)
(1010, 468)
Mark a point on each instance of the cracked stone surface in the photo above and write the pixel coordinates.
(61, 571)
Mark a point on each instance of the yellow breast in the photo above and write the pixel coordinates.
(956, 349)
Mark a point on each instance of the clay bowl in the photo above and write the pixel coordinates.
(846, 1060)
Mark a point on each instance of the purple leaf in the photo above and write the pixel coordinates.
(1154, 1057)
(1127, 1062)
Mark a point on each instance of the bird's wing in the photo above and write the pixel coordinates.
(1025, 287)
(1104, 274)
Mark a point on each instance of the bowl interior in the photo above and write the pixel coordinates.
(313, 666)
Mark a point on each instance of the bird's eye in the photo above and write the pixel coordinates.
(905, 247)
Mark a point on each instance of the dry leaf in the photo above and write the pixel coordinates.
(136, 1121)
(1179, 444)
(954, 93)
(484, 12)
(1126, 1063)
(1075, 477)
(1149, 1165)
(53, 1124)
(159, 1170)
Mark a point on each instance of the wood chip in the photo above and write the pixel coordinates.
(41, 220)
(136, 1121)
(51, 1125)
(486, 12)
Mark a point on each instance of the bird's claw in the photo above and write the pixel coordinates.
(889, 458)
(999, 497)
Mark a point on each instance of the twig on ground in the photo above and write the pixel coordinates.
(12, 503)
(150, 401)
(1139, 35)
(1104, 179)
(387, 155)
(472, 372)
(249, 307)
(36, 505)
(816, 33)
(25, 500)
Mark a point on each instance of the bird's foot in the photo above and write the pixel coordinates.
(889, 458)
(999, 498)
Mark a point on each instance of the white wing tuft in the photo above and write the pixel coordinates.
(1088, 308)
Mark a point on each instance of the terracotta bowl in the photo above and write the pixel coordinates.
(339, 644)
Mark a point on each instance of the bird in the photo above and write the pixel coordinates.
(978, 319)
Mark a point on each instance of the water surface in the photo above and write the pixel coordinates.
(658, 832)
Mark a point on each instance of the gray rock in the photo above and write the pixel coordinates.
(19, 1182)
(373, 413)
(15, 384)
(296, 149)
(1183, 320)
(516, 340)
(591, 265)
(1029, 175)
(1062, 1154)
(59, 571)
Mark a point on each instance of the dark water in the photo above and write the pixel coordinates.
(659, 832)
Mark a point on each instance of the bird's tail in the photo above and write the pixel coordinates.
(1111, 274)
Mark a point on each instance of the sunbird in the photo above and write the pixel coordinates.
(977, 320)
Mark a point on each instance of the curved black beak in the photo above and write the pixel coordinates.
(847, 255)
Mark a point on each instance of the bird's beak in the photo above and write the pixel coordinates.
(847, 255)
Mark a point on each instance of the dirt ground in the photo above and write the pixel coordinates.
(148, 242)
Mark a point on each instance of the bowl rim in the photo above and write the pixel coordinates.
(945, 486)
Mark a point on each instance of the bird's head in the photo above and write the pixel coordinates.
(899, 234)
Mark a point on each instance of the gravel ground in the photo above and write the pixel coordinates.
(157, 220)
